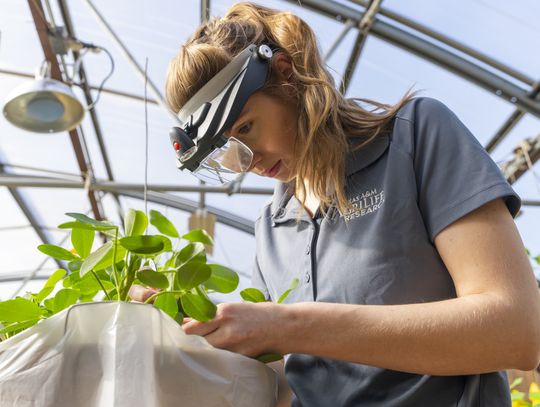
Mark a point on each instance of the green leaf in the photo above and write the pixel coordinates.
(269, 357)
(198, 307)
(19, 310)
(167, 303)
(57, 252)
(143, 245)
(88, 285)
(64, 298)
(252, 295)
(96, 224)
(135, 222)
(94, 258)
(78, 225)
(82, 241)
(193, 251)
(87, 297)
(537, 259)
(50, 284)
(223, 279)
(18, 326)
(153, 279)
(527, 251)
(199, 235)
(192, 274)
(517, 395)
(294, 284)
(516, 382)
(75, 265)
(71, 279)
(163, 224)
(107, 261)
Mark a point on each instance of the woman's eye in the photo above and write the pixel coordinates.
(245, 128)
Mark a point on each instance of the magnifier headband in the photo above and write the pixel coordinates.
(214, 109)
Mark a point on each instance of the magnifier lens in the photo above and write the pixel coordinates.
(225, 163)
(236, 156)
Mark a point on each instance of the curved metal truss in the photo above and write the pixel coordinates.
(366, 17)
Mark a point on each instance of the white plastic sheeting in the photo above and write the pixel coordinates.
(125, 354)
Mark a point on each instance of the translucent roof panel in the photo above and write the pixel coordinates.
(499, 30)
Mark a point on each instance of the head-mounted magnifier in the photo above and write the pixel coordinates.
(201, 145)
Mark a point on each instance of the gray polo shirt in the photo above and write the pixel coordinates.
(406, 187)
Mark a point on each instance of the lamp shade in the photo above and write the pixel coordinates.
(44, 106)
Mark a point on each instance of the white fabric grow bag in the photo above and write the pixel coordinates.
(113, 354)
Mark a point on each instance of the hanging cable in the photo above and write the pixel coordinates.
(100, 88)
(146, 137)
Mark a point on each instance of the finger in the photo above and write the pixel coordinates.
(218, 340)
(195, 327)
(186, 320)
(141, 294)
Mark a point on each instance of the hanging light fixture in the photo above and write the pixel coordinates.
(45, 105)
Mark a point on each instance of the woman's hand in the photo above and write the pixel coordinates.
(245, 328)
(138, 293)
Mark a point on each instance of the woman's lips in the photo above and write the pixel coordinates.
(274, 170)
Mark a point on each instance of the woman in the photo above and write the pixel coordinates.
(415, 289)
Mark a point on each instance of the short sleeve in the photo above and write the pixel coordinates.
(454, 173)
(257, 280)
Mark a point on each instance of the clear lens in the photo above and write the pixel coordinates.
(234, 156)
(224, 164)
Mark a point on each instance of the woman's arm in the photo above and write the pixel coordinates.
(494, 323)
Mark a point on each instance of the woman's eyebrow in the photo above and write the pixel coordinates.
(239, 119)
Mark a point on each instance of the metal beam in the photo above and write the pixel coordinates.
(434, 53)
(104, 90)
(173, 201)
(364, 26)
(347, 27)
(42, 28)
(511, 122)
(28, 213)
(137, 191)
(520, 76)
(527, 202)
(18, 180)
(89, 101)
(205, 10)
(525, 155)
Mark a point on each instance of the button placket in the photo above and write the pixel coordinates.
(307, 251)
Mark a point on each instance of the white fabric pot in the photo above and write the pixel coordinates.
(107, 354)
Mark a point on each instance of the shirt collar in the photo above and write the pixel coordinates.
(283, 208)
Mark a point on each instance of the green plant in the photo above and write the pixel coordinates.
(182, 275)
(521, 399)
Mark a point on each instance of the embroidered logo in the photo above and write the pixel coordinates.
(367, 202)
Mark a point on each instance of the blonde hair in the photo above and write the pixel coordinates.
(326, 119)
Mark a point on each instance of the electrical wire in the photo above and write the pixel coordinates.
(146, 137)
(100, 88)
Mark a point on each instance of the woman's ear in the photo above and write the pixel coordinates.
(283, 65)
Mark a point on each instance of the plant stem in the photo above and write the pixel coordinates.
(153, 296)
(101, 285)
(115, 272)
(130, 276)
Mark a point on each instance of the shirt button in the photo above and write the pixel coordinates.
(308, 249)
(307, 277)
